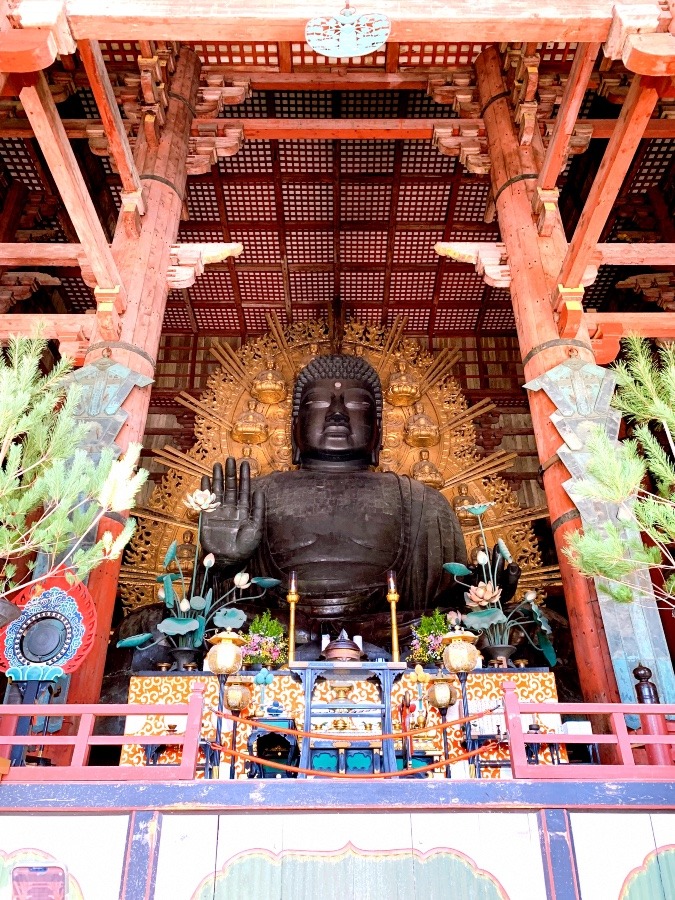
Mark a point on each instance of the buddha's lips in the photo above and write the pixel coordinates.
(336, 428)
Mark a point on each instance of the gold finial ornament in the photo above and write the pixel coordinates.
(426, 472)
(403, 388)
(251, 427)
(269, 386)
(420, 430)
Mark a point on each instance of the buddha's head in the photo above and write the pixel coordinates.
(337, 412)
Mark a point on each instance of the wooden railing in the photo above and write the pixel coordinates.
(84, 739)
(620, 738)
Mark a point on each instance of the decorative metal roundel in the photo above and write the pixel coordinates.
(56, 627)
(347, 34)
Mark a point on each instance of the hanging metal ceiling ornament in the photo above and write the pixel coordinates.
(347, 34)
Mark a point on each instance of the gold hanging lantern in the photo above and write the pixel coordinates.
(441, 693)
(225, 657)
(237, 695)
(460, 654)
(269, 385)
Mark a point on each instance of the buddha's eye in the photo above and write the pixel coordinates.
(357, 404)
(316, 404)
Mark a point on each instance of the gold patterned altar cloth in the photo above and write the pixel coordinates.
(483, 692)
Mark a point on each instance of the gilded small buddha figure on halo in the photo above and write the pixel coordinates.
(427, 472)
(420, 430)
(269, 385)
(403, 389)
(251, 426)
(463, 499)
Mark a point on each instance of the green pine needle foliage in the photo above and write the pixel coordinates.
(51, 493)
(646, 395)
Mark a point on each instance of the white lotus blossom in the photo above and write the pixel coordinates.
(482, 558)
(161, 593)
(242, 579)
(209, 561)
(184, 605)
(201, 501)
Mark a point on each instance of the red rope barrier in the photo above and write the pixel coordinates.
(226, 751)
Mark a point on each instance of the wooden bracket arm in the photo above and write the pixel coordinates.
(205, 150)
(468, 142)
(489, 259)
(188, 261)
(643, 37)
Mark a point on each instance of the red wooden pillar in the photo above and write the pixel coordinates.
(535, 262)
(143, 262)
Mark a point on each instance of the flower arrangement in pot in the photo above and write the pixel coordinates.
(191, 612)
(265, 642)
(493, 583)
(426, 647)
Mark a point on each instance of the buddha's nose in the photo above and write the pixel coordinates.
(337, 412)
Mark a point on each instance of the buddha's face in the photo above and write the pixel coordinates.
(337, 420)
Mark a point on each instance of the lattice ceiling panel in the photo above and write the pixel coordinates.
(79, 297)
(305, 312)
(412, 287)
(417, 318)
(357, 287)
(425, 202)
(498, 319)
(309, 246)
(199, 235)
(471, 201)
(305, 105)
(602, 287)
(422, 106)
(254, 107)
(221, 320)
(259, 246)
(461, 287)
(365, 202)
(371, 315)
(119, 52)
(202, 202)
(302, 157)
(213, 286)
(176, 317)
(261, 287)
(438, 55)
(655, 163)
(367, 157)
(357, 246)
(369, 104)
(255, 317)
(250, 202)
(254, 156)
(307, 202)
(15, 155)
(311, 287)
(420, 158)
(245, 53)
(416, 246)
(457, 318)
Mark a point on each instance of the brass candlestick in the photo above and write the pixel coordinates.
(292, 596)
(392, 600)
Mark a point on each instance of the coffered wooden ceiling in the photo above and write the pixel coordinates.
(344, 224)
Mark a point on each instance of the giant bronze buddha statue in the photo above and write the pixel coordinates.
(335, 521)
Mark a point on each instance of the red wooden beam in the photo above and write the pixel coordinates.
(573, 97)
(630, 127)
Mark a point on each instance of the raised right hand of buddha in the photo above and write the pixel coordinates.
(234, 529)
